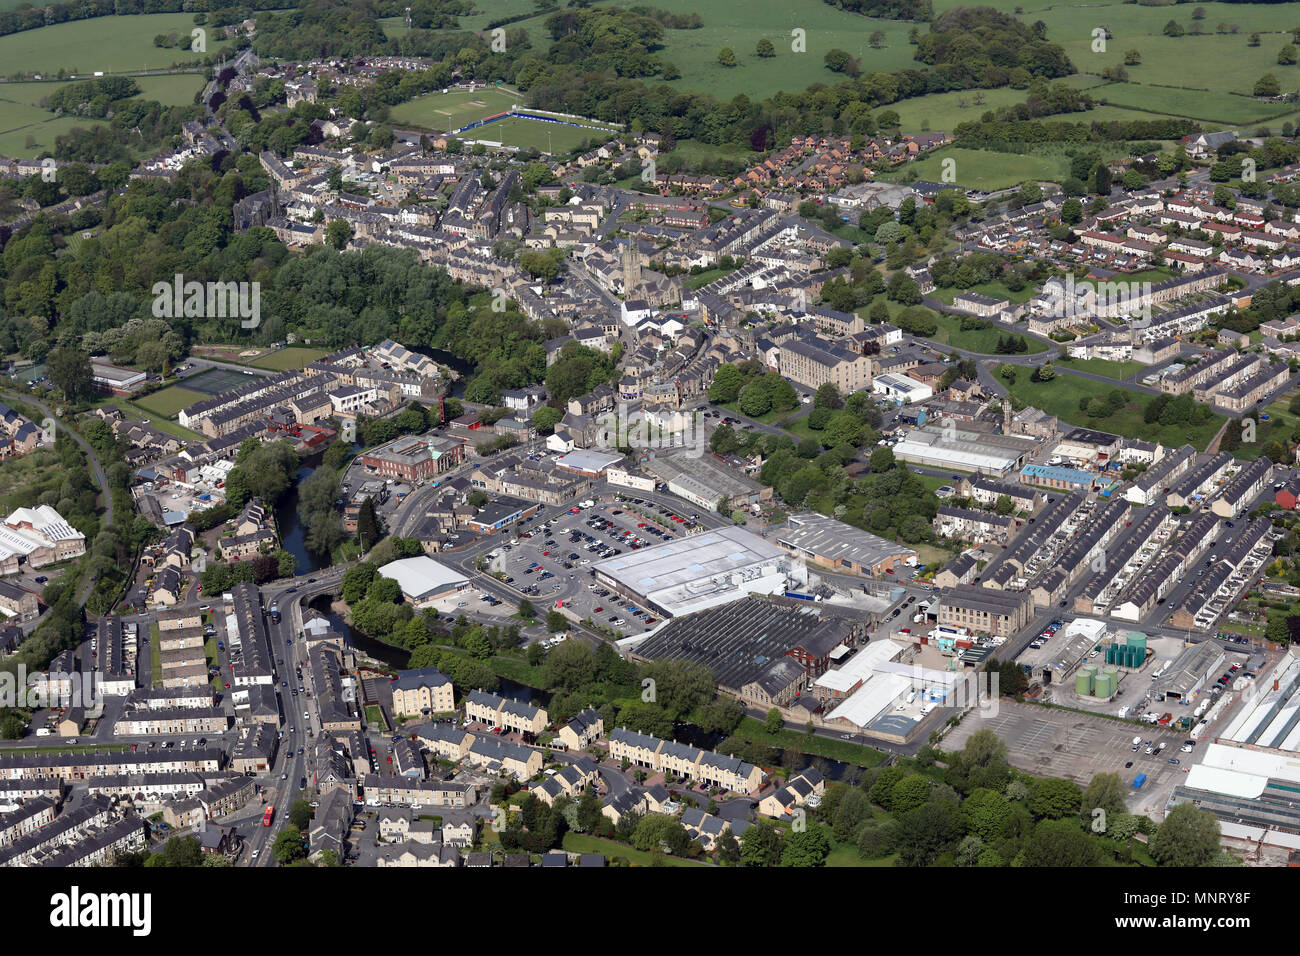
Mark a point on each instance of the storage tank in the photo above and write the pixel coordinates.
(1103, 687)
(1083, 683)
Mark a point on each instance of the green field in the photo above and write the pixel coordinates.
(979, 340)
(107, 44)
(944, 111)
(295, 357)
(22, 118)
(1062, 394)
(982, 169)
(1214, 61)
(449, 111)
(1207, 105)
(168, 401)
(1115, 370)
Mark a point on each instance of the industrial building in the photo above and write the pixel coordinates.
(763, 652)
(943, 446)
(986, 610)
(839, 546)
(701, 571)
(423, 580)
(707, 482)
(1188, 674)
(1249, 775)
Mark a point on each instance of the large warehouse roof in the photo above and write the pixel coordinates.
(832, 540)
(686, 574)
(423, 576)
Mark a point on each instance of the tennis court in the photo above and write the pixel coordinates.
(214, 381)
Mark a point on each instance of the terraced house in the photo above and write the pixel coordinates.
(511, 715)
(661, 756)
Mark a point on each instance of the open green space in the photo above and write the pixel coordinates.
(979, 340)
(1215, 61)
(582, 843)
(985, 169)
(1116, 370)
(551, 138)
(994, 289)
(293, 357)
(168, 401)
(1061, 397)
(944, 111)
(28, 129)
(107, 44)
(452, 110)
(1202, 104)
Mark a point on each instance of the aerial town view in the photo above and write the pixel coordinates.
(595, 434)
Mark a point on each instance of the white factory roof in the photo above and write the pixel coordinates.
(690, 558)
(861, 667)
(1089, 626)
(1231, 783)
(969, 459)
(583, 459)
(871, 700)
(422, 576)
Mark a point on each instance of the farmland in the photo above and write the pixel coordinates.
(987, 170)
(110, 44)
(22, 116)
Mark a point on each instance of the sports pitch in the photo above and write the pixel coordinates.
(214, 381)
(457, 109)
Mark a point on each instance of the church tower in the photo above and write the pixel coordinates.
(631, 269)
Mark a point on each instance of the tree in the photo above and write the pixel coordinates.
(300, 814)
(1061, 843)
(1105, 792)
(1132, 57)
(760, 845)
(727, 382)
(1173, 29)
(882, 459)
(367, 525)
(288, 845)
(807, 848)
(727, 56)
(1267, 85)
(545, 419)
(765, 48)
(1054, 797)
(338, 233)
(1286, 55)
(1187, 837)
(526, 610)
(773, 722)
(556, 621)
(69, 370)
(838, 61)
(828, 396)
(877, 39)
(1072, 211)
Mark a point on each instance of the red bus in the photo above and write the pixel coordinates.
(266, 817)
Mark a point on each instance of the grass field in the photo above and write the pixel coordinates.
(982, 169)
(1115, 370)
(108, 44)
(168, 401)
(994, 289)
(1062, 394)
(978, 340)
(295, 357)
(450, 111)
(1208, 105)
(22, 116)
(943, 111)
